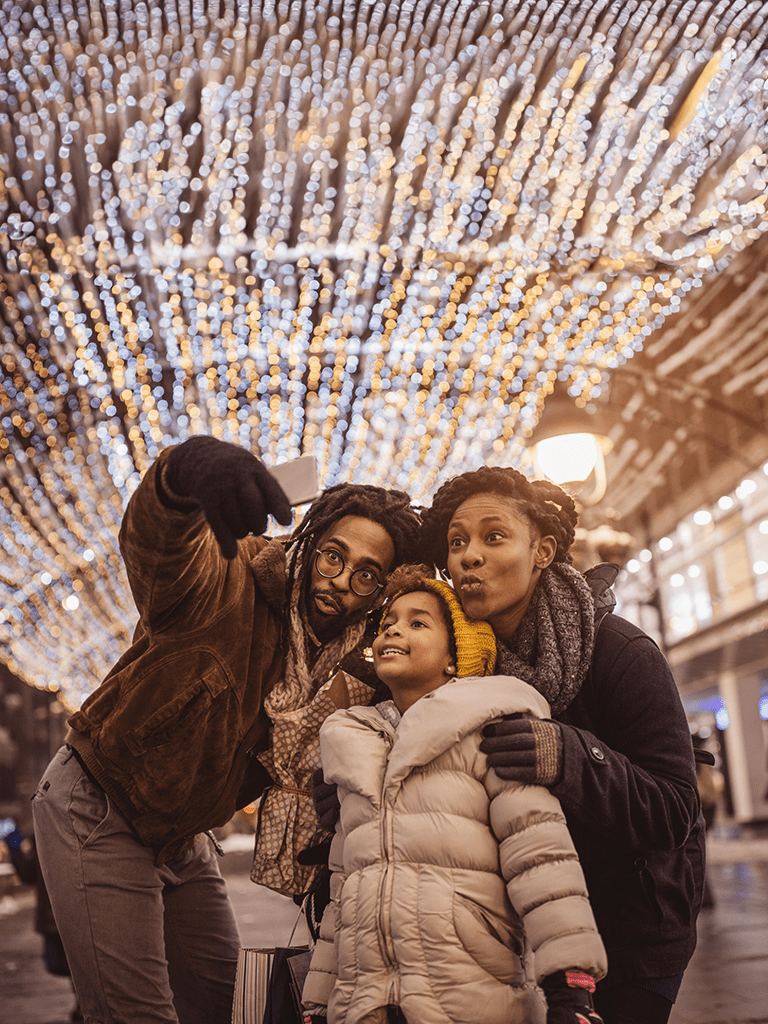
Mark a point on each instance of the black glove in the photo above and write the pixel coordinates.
(569, 998)
(235, 491)
(326, 801)
(315, 854)
(524, 749)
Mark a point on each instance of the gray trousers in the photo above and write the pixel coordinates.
(145, 944)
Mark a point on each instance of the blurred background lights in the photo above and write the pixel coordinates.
(71, 603)
(376, 233)
(763, 527)
(645, 555)
(721, 719)
(633, 565)
(702, 517)
(760, 568)
(677, 580)
(725, 503)
(745, 488)
(666, 544)
(694, 571)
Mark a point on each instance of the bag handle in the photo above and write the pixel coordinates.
(296, 922)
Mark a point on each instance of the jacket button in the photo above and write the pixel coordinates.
(597, 753)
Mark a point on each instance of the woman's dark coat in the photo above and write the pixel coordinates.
(629, 794)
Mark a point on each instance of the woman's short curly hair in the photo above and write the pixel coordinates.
(548, 507)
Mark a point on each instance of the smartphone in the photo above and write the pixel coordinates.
(298, 479)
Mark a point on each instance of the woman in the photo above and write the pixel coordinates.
(618, 751)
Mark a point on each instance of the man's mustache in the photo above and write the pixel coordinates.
(333, 599)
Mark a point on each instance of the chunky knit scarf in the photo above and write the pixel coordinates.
(553, 645)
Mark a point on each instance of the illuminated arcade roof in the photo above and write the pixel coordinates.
(376, 232)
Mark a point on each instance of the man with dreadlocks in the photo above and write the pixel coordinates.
(165, 749)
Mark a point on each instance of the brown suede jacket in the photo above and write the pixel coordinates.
(169, 732)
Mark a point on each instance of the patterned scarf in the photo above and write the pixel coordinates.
(553, 645)
(300, 682)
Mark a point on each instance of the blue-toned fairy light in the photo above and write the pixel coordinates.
(377, 232)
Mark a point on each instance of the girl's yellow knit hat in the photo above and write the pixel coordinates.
(475, 641)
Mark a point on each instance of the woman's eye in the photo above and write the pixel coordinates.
(495, 536)
(455, 542)
(418, 622)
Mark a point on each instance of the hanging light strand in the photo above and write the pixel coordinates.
(378, 233)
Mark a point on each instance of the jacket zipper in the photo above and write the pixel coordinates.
(386, 884)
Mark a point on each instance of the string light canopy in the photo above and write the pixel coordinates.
(376, 232)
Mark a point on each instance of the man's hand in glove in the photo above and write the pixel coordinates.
(524, 749)
(326, 801)
(235, 491)
(569, 998)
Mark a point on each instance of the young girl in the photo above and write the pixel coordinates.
(454, 892)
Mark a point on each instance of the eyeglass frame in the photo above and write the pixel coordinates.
(323, 551)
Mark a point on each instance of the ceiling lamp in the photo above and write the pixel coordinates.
(569, 446)
(374, 232)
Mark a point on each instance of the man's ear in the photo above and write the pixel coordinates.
(546, 549)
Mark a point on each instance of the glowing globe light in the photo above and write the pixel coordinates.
(569, 458)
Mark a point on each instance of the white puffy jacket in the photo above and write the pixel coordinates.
(428, 836)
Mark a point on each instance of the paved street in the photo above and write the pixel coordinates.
(726, 983)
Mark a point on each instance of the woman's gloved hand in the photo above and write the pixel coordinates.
(233, 488)
(569, 998)
(524, 749)
(326, 801)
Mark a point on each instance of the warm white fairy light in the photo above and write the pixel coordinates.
(373, 231)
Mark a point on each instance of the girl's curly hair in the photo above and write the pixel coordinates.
(548, 507)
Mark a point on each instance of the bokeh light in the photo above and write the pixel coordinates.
(373, 232)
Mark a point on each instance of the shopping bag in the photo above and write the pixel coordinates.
(267, 991)
(289, 968)
(254, 968)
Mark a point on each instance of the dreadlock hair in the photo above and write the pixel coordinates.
(551, 509)
(390, 509)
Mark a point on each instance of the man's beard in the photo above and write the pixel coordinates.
(325, 626)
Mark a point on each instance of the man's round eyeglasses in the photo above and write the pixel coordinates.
(363, 582)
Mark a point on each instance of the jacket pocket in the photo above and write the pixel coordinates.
(489, 939)
(165, 724)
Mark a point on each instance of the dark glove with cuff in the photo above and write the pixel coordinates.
(569, 998)
(524, 749)
(326, 800)
(233, 488)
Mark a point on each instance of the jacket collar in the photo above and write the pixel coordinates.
(444, 717)
(270, 568)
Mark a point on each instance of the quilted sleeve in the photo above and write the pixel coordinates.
(323, 970)
(544, 878)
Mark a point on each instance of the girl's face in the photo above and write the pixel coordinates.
(495, 558)
(412, 653)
